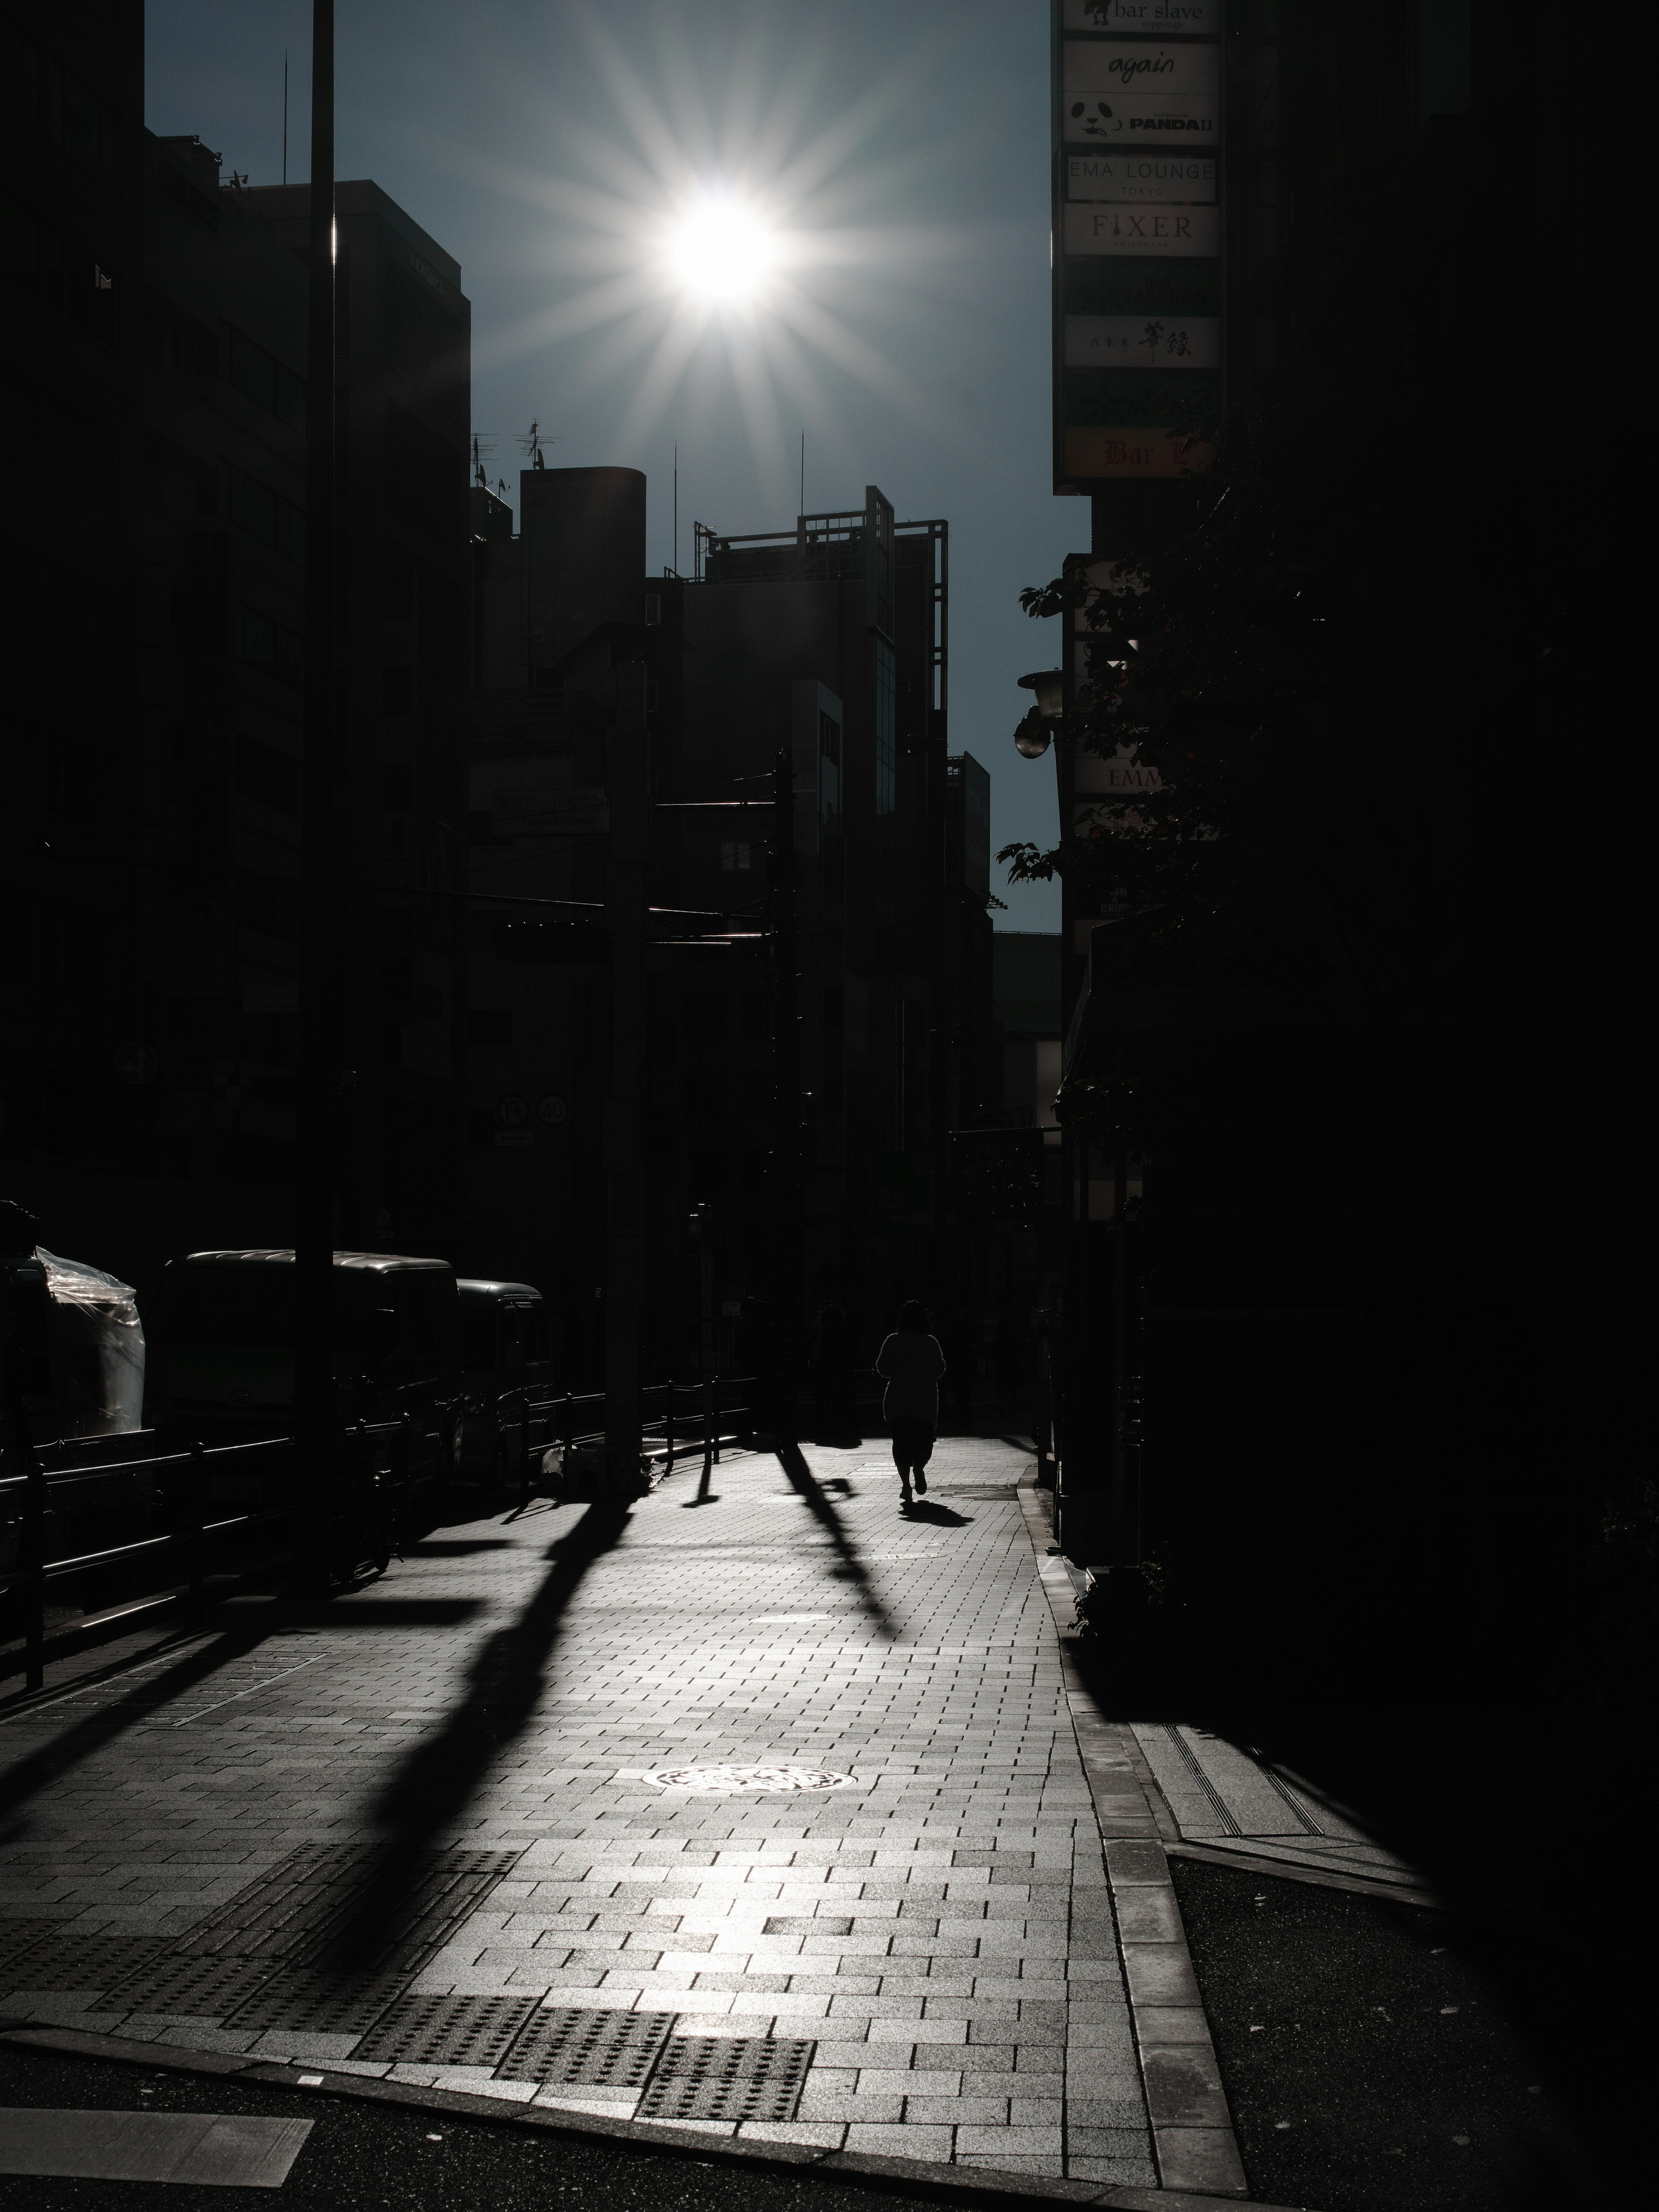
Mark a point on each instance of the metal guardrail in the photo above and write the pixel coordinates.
(179, 1486)
(29, 1499)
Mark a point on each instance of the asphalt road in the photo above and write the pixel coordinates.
(376, 2158)
(1369, 2064)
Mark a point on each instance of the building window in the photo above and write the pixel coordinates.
(734, 858)
(262, 378)
(63, 110)
(267, 515)
(652, 610)
(39, 260)
(266, 644)
(886, 730)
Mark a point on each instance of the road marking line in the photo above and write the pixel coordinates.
(250, 1691)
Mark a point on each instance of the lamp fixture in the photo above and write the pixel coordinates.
(1049, 684)
(1035, 731)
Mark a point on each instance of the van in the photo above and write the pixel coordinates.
(508, 1357)
(218, 1331)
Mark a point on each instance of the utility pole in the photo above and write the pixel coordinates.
(787, 1235)
(627, 789)
(313, 1240)
(702, 1225)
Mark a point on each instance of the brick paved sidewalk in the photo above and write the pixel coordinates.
(935, 1931)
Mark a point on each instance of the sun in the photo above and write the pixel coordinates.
(721, 250)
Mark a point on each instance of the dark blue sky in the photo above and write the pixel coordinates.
(900, 151)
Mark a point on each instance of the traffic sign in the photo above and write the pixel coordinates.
(551, 1110)
(512, 1110)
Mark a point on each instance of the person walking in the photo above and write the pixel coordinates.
(911, 1363)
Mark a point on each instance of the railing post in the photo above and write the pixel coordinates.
(197, 1541)
(523, 1442)
(668, 1425)
(715, 1436)
(35, 1551)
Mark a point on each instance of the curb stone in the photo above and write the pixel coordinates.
(1193, 2138)
(924, 2177)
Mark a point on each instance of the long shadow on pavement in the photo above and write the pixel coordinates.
(848, 1565)
(48, 1763)
(504, 1684)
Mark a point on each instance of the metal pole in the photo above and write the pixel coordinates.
(787, 1163)
(705, 1264)
(313, 1255)
(628, 790)
(33, 1558)
(197, 1541)
(524, 1444)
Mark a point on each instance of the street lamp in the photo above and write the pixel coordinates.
(1035, 731)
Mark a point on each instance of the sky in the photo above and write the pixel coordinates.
(885, 165)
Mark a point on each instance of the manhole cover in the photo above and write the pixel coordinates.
(719, 1780)
(705, 2077)
(592, 2048)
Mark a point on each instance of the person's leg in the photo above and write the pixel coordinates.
(921, 1450)
(901, 1460)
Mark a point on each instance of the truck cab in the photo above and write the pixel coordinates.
(507, 1355)
(220, 1331)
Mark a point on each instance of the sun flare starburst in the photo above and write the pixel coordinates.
(722, 251)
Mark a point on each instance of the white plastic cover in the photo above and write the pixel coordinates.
(97, 1350)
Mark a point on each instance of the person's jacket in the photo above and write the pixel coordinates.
(912, 1364)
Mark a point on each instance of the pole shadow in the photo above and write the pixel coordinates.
(434, 1783)
(39, 1769)
(848, 1565)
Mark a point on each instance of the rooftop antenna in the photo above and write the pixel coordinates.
(530, 443)
(284, 114)
(803, 475)
(677, 509)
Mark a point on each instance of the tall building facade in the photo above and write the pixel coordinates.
(403, 400)
(78, 1048)
(153, 359)
(826, 646)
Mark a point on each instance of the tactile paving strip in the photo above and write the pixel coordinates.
(705, 2077)
(18, 1936)
(318, 1896)
(199, 1989)
(91, 1962)
(595, 2049)
(445, 2031)
(279, 1909)
(322, 2004)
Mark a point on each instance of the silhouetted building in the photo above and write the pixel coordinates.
(154, 354)
(828, 644)
(72, 160)
(403, 336)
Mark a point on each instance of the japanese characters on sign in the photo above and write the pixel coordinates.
(1143, 341)
(1139, 237)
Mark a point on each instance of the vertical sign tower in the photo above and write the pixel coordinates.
(1138, 237)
